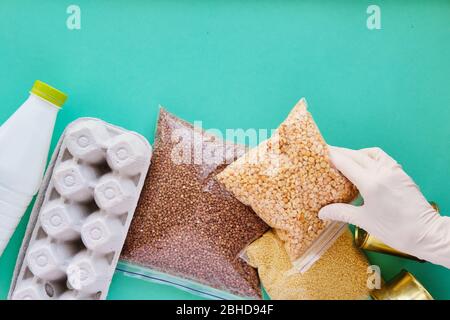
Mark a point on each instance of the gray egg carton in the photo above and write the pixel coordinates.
(82, 213)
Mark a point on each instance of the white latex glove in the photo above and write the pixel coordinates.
(394, 209)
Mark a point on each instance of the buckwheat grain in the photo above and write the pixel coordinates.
(186, 224)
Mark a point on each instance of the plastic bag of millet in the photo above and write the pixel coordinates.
(340, 274)
(286, 180)
(187, 229)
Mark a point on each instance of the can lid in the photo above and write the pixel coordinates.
(360, 237)
(49, 93)
(419, 286)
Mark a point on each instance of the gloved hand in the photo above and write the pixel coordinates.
(394, 209)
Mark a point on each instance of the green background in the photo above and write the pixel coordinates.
(236, 64)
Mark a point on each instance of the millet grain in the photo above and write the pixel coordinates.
(340, 274)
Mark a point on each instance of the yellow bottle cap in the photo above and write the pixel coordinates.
(49, 93)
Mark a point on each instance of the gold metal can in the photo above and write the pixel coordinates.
(365, 241)
(435, 206)
(403, 286)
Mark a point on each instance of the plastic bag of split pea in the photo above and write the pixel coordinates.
(286, 180)
(188, 231)
(340, 273)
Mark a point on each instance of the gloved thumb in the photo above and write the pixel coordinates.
(341, 212)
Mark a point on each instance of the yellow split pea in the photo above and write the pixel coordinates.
(287, 179)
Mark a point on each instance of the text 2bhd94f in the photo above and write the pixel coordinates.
(226, 309)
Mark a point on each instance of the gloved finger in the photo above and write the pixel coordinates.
(348, 166)
(378, 155)
(359, 157)
(341, 212)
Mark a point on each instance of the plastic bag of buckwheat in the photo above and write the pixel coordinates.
(188, 231)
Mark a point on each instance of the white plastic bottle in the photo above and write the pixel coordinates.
(24, 144)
